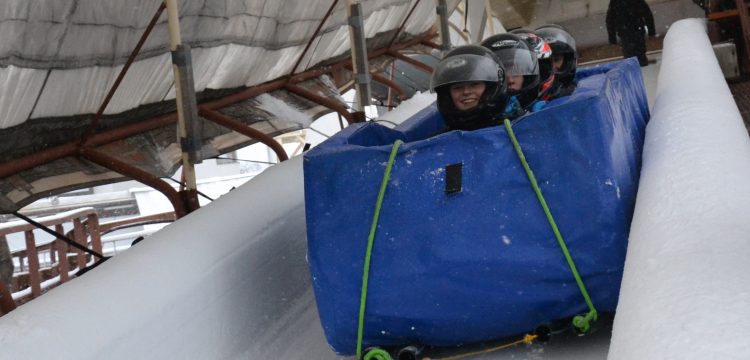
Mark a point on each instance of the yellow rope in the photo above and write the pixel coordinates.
(526, 339)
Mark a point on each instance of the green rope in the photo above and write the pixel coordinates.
(377, 354)
(582, 323)
(368, 255)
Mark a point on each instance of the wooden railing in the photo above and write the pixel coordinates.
(41, 266)
(57, 253)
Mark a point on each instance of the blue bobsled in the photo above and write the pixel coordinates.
(476, 260)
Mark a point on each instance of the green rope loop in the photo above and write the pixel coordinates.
(368, 255)
(582, 323)
(377, 354)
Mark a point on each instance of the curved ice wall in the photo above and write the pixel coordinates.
(686, 287)
(228, 281)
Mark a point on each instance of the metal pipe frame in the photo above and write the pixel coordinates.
(431, 44)
(106, 161)
(385, 81)
(389, 83)
(418, 64)
(70, 149)
(331, 104)
(243, 129)
(73, 148)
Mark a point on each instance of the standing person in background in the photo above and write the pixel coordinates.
(627, 19)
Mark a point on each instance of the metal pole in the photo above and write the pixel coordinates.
(359, 54)
(187, 111)
(490, 19)
(445, 35)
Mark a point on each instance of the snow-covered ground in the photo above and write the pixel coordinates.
(230, 281)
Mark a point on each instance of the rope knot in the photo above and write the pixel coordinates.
(582, 323)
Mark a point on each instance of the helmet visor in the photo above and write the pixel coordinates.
(518, 61)
(464, 67)
(558, 39)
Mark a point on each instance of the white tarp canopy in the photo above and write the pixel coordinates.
(58, 60)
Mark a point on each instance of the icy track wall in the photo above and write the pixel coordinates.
(226, 282)
(686, 288)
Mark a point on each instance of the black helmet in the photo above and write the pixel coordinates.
(469, 64)
(544, 56)
(518, 59)
(563, 43)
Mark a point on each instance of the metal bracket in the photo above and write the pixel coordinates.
(362, 78)
(355, 21)
(181, 55)
(190, 146)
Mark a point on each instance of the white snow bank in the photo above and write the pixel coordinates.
(686, 287)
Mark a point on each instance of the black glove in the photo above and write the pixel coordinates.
(613, 39)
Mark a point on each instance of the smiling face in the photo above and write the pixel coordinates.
(466, 95)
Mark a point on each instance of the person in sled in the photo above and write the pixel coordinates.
(564, 59)
(470, 86)
(627, 19)
(546, 69)
(521, 71)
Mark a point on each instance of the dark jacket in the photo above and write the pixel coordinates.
(627, 18)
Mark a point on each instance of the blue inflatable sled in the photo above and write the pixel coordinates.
(463, 251)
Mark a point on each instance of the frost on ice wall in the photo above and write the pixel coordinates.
(686, 289)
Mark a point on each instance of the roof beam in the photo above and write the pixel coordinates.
(71, 149)
(108, 162)
(243, 129)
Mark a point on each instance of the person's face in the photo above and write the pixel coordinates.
(557, 61)
(515, 82)
(465, 95)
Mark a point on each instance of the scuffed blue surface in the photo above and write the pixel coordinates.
(483, 263)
